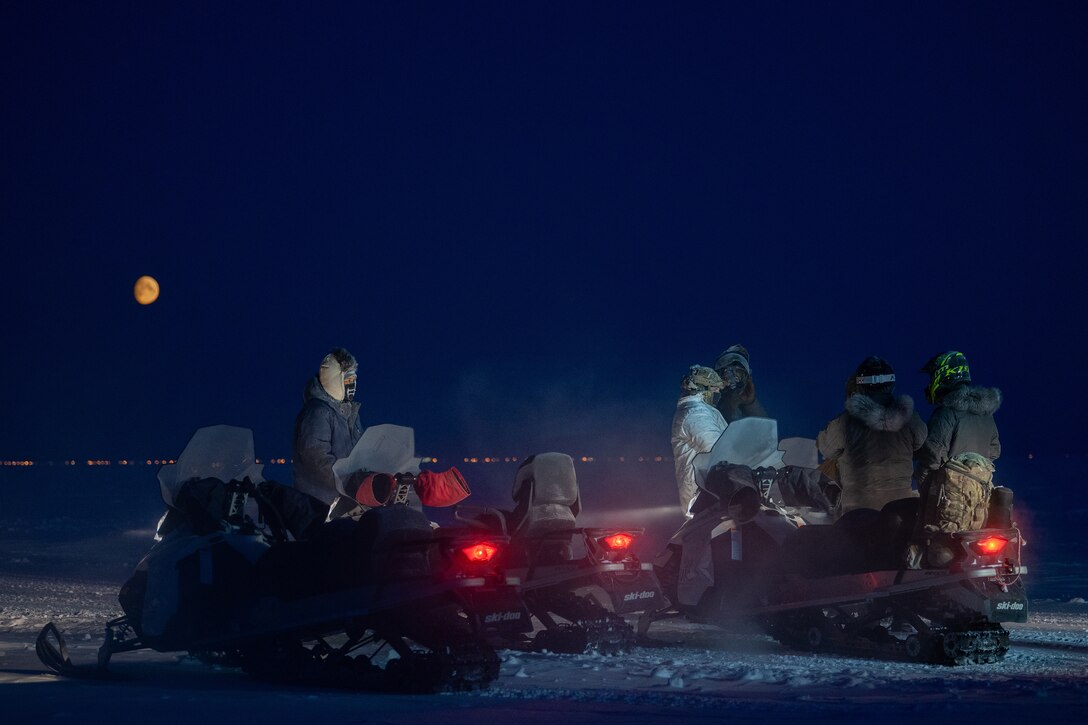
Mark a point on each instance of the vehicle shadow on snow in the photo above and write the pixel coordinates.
(680, 632)
(1066, 647)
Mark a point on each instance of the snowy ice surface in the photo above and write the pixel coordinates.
(696, 673)
(98, 523)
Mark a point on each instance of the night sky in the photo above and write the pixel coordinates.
(528, 220)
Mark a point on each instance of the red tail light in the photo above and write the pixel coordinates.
(990, 545)
(618, 542)
(480, 553)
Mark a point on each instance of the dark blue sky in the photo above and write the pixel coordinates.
(528, 220)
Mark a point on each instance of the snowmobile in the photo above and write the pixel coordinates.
(242, 574)
(576, 582)
(766, 547)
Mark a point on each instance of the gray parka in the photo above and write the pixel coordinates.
(963, 422)
(325, 430)
(874, 440)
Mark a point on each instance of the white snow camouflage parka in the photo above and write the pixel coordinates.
(696, 427)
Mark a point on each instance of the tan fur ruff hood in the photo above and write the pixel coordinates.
(879, 417)
(977, 401)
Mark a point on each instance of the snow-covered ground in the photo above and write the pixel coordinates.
(69, 538)
(700, 673)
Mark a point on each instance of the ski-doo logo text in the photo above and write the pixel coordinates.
(502, 617)
(639, 595)
(1014, 606)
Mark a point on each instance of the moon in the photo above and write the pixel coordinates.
(146, 290)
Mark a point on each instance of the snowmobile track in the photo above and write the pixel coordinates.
(978, 643)
(592, 627)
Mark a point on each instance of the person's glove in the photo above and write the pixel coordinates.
(441, 488)
(374, 488)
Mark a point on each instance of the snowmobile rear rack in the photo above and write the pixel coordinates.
(474, 520)
(929, 579)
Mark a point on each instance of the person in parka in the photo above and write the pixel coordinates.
(963, 420)
(327, 427)
(873, 439)
(696, 427)
(738, 399)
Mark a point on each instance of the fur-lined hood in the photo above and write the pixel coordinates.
(977, 401)
(316, 391)
(878, 416)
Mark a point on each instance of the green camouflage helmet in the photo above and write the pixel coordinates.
(945, 371)
(700, 379)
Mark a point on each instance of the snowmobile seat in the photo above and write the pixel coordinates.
(287, 571)
(861, 540)
(893, 532)
(391, 542)
(295, 569)
(841, 548)
(484, 517)
(546, 492)
(731, 486)
(386, 542)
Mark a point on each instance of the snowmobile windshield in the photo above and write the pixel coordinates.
(751, 442)
(799, 452)
(382, 449)
(224, 452)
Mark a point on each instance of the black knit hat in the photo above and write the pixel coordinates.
(734, 355)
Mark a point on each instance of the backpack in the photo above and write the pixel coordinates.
(957, 499)
(959, 494)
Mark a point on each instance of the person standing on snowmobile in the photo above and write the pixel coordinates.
(328, 426)
(696, 427)
(963, 420)
(873, 439)
(738, 399)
